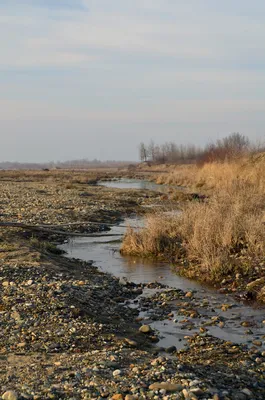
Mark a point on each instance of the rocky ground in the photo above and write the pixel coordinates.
(65, 329)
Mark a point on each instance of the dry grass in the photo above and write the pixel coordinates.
(58, 175)
(218, 175)
(157, 239)
(220, 236)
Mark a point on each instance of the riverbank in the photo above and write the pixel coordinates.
(65, 330)
(219, 239)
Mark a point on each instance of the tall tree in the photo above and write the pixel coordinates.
(142, 152)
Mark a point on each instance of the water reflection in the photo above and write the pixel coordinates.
(104, 251)
(137, 184)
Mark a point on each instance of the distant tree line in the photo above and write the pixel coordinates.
(229, 147)
(71, 164)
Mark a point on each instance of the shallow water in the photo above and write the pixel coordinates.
(137, 184)
(104, 251)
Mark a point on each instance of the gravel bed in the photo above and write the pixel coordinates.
(67, 331)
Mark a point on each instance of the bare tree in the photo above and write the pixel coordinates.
(229, 147)
(152, 150)
(142, 152)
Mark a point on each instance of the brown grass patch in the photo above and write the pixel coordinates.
(218, 175)
(220, 236)
(159, 238)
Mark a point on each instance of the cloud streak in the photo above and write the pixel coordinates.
(92, 62)
(42, 39)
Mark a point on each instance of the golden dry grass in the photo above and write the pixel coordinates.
(57, 175)
(156, 239)
(229, 226)
(218, 175)
(221, 235)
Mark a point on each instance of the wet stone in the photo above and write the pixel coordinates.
(131, 342)
(145, 329)
(257, 342)
(171, 349)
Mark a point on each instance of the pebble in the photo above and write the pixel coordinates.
(197, 391)
(117, 372)
(216, 397)
(194, 383)
(246, 324)
(186, 393)
(239, 396)
(247, 392)
(257, 342)
(131, 342)
(169, 387)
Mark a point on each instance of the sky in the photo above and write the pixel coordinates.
(94, 78)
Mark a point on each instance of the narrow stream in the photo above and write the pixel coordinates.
(104, 251)
(137, 184)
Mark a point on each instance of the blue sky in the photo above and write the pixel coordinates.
(93, 78)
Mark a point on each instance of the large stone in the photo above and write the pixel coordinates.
(169, 387)
(145, 329)
(171, 349)
(257, 282)
(117, 396)
(10, 395)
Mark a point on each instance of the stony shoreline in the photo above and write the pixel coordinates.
(65, 331)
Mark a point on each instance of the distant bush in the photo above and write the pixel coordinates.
(228, 148)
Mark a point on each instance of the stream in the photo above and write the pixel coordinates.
(125, 183)
(208, 302)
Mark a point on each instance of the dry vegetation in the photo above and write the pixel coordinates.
(217, 175)
(224, 234)
(59, 175)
